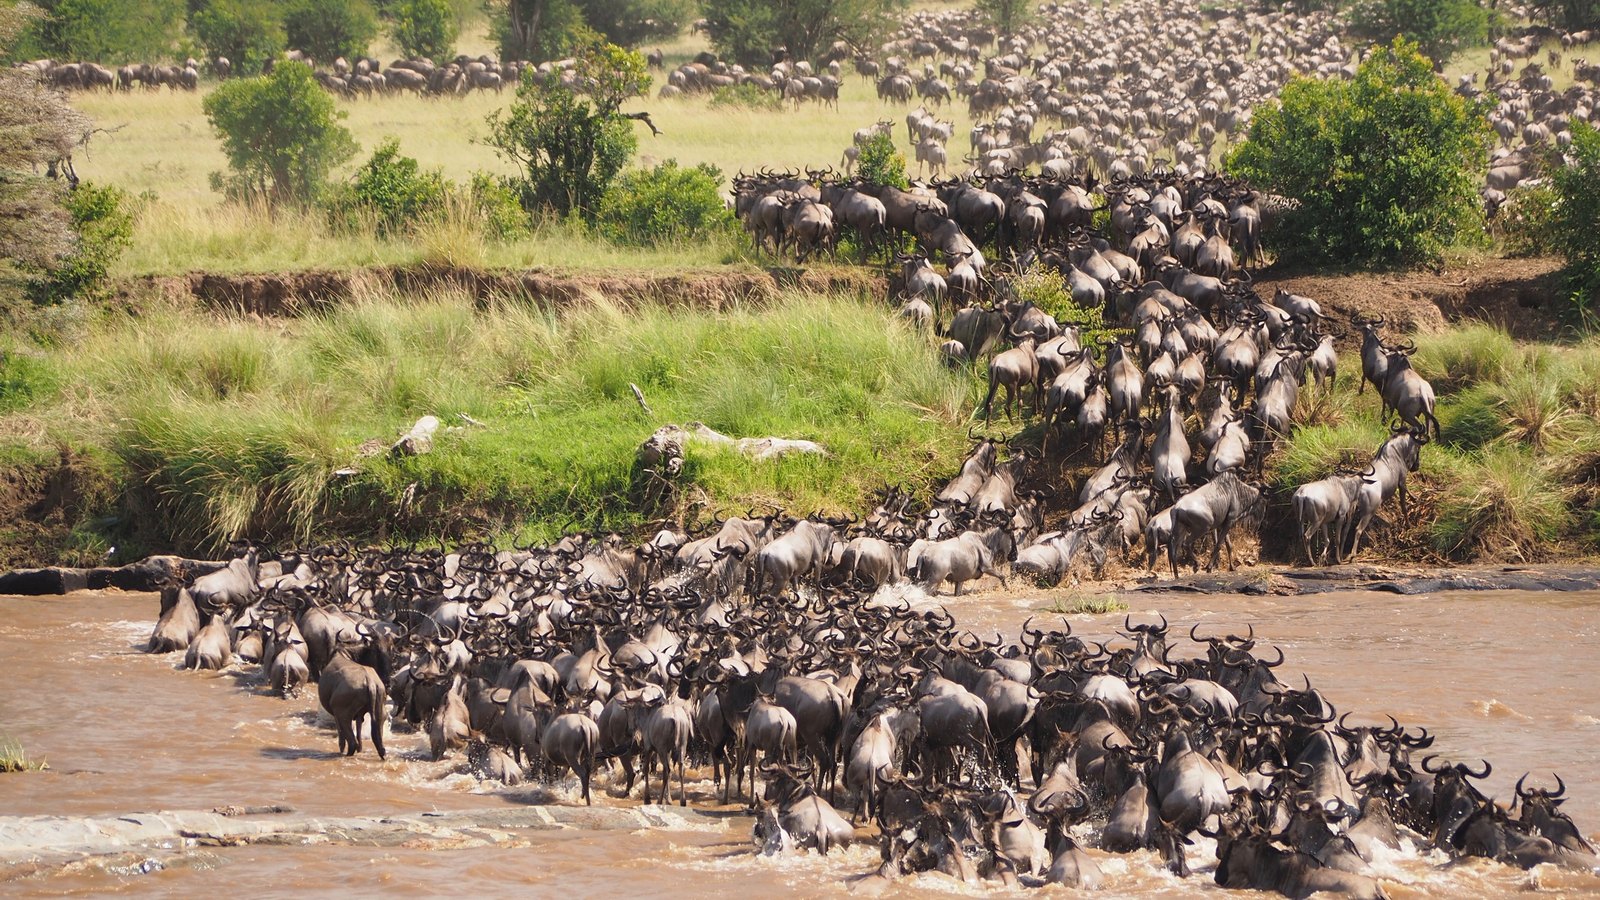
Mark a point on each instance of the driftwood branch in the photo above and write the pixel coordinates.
(645, 118)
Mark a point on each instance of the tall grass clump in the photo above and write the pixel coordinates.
(14, 759)
(1505, 504)
(1465, 356)
(1317, 451)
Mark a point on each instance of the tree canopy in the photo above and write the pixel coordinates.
(281, 134)
(246, 32)
(570, 145)
(748, 31)
(1386, 166)
(1441, 28)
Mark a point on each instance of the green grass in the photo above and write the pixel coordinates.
(158, 144)
(13, 759)
(221, 426)
(1504, 504)
(1086, 604)
(1465, 356)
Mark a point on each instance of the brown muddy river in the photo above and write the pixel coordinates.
(1510, 676)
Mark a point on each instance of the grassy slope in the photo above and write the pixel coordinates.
(1511, 477)
(219, 426)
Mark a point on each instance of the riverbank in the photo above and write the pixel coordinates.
(152, 573)
(212, 406)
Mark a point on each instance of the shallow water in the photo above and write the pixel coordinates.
(1505, 675)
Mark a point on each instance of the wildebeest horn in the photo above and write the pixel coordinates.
(1484, 774)
(1431, 770)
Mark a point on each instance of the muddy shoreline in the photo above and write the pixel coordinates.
(152, 573)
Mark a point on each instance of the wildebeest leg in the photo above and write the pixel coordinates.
(585, 769)
(649, 755)
(1226, 536)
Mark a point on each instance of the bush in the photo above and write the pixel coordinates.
(746, 96)
(1385, 166)
(390, 189)
(329, 29)
(103, 222)
(1525, 223)
(281, 134)
(570, 146)
(1048, 290)
(424, 28)
(1576, 210)
(664, 204)
(247, 32)
(502, 214)
(881, 163)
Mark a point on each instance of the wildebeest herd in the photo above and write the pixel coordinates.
(973, 757)
(1193, 380)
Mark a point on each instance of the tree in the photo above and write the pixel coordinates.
(631, 22)
(538, 29)
(571, 146)
(1573, 15)
(424, 28)
(1006, 15)
(39, 130)
(247, 32)
(881, 163)
(1385, 166)
(749, 31)
(281, 134)
(1442, 28)
(329, 29)
(109, 31)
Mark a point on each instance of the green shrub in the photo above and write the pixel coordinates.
(424, 28)
(746, 96)
(247, 32)
(102, 219)
(329, 29)
(570, 146)
(281, 134)
(389, 189)
(1573, 225)
(1048, 290)
(746, 31)
(664, 204)
(881, 163)
(1385, 166)
(503, 216)
(1526, 221)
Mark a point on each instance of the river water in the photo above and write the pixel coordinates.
(1509, 676)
